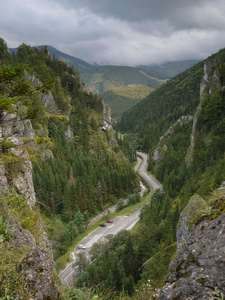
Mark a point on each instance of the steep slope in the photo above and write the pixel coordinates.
(122, 98)
(198, 270)
(182, 126)
(151, 117)
(27, 262)
(81, 169)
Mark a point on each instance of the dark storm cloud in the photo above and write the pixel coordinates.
(128, 32)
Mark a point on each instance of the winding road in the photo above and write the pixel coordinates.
(119, 222)
(152, 182)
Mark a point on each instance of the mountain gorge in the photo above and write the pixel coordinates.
(62, 163)
(181, 127)
(50, 121)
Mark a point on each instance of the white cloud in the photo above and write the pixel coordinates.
(128, 32)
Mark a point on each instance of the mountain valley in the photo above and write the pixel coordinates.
(64, 160)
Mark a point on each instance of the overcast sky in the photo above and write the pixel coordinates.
(119, 32)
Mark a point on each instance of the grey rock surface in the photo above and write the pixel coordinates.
(195, 208)
(199, 267)
(200, 263)
(12, 127)
(37, 268)
(21, 237)
(158, 154)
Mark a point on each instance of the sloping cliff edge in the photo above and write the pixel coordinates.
(197, 272)
(28, 263)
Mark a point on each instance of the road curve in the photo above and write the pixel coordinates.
(152, 182)
(119, 223)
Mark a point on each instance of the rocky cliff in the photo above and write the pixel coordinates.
(209, 83)
(27, 233)
(198, 270)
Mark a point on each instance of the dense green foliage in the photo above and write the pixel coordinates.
(123, 261)
(80, 174)
(122, 98)
(87, 173)
(147, 122)
(151, 117)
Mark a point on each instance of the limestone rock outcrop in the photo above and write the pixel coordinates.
(198, 270)
(13, 129)
(16, 183)
(195, 208)
(106, 120)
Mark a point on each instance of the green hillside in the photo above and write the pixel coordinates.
(122, 98)
(70, 60)
(151, 117)
(103, 78)
(72, 180)
(190, 165)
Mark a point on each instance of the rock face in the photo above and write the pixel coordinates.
(180, 122)
(194, 210)
(158, 154)
(38, 263)
(38, 268)
(210, 82)
(106, 121)
(13, 127)
(21, 237)
(47, 99)
(199, 267)
(68, 133)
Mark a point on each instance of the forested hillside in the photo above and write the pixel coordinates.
(104, 78)
(82, 168)
(187, 157)
(163, 124)
(122, 98)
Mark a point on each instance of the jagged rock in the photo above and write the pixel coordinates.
(48, 101)
(33, 80)
(28, 130)
(37, 269)
(68, 133)
(3, 180)
(195, 208)
(180, 122)
(159, 154)
(24, 183)
(106, 121)
(21, 237)
(47, 154)
(199, 267)
(210, 82)
(11, 125)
